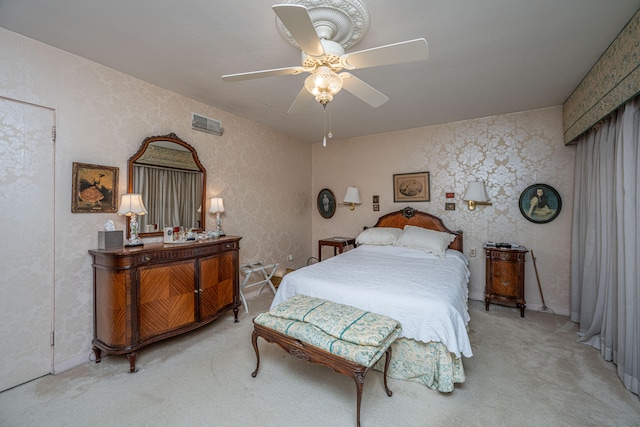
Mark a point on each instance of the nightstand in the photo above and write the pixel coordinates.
(338, 243)
(505, 277)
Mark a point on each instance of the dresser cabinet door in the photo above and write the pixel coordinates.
(166, 297)
(217, 281)
(112, 308)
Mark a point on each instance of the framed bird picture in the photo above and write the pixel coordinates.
(94, 188)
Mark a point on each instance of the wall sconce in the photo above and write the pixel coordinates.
(476, 195)
(351, 197)
(217, 207)
(131, 205)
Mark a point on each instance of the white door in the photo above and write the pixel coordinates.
(26, 241)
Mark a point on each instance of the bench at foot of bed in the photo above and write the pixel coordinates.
(347, 340)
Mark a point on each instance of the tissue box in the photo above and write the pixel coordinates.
(110, 239)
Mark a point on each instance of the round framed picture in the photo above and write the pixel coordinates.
(326, 203)
(540, 203)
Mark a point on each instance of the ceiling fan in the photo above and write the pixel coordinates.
(322, 32)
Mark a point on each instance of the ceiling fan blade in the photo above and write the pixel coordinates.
(303, 99)
(409, 51)
(296, 19)
(289, 71)
(362, 90)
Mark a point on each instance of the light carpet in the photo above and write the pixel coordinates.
(525, 371)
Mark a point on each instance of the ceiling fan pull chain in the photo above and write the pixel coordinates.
(330, 135)
(324, 129)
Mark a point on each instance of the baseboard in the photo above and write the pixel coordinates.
(562, 311)
(70, 363)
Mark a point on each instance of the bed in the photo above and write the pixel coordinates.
(409, 266)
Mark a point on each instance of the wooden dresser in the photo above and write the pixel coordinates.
(157, 291)
(505, 277)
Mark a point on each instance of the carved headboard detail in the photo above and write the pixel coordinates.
(410, 216)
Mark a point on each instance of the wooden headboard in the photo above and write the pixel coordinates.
(410, 216)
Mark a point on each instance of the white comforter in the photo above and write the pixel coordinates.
(426, 294)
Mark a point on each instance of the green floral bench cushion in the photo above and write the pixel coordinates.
(356, 335)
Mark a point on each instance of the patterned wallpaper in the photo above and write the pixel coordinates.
(509, 152)
(102, 118)
(611, 82)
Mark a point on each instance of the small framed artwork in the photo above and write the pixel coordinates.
(540, 203)
(411, 187)
(450, 195)
(94, 188)
(449, 206)
(376, 199)
(326, 203)
(376, 207)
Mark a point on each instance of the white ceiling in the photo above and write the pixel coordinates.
(486, 57)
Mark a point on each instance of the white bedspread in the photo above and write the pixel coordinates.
(426, 294)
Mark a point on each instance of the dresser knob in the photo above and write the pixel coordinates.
(146, 258)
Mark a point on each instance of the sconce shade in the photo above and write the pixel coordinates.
(476, 192)
(216, 205)
(352, 195)
(476, 195)
(131, 204)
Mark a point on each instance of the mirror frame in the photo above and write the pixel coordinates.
(172, 137)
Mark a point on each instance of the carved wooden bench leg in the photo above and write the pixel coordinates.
(387, 362)
(254, 341)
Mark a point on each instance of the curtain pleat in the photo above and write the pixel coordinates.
(605, 272)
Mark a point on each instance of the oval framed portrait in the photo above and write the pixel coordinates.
(326, 203)
(540, 203)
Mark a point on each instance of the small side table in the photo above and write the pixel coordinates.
(265, 270)
(505, 277)
(338, 243)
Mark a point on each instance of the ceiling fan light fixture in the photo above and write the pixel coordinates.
(323, 84)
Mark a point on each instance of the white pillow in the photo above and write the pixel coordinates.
(435, 242)
(379, 236)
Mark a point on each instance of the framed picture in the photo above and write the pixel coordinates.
(326, 203)
(94, 188)
(540, 203)
(411, 187)
(376, 207)
(449, 206)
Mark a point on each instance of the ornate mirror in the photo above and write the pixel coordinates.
(167, 173)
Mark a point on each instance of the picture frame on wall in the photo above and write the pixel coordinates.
(326, 203)
(540, 203)
(94, 188)
(411, 187)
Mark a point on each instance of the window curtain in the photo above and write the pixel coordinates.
(605, 272)
(172, 197)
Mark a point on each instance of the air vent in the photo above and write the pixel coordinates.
(205, 124)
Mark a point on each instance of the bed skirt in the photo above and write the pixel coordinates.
(430, 364)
